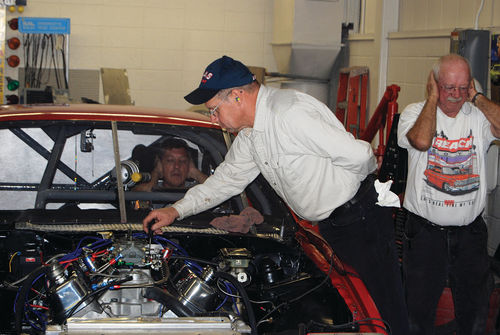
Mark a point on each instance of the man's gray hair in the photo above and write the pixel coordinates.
(223, 94)
(450, 57)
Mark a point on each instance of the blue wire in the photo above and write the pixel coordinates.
(138, 235)
(87, 238)
(15, 300)
(229, 288)
(99, 243)
(162, 239)
(158, 239)
(43, 274)
(31, 323)
(198, 269)
(178, 247)
(222, 303)
(189, 263)
(41, 316)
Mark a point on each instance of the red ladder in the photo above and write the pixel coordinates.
(351, 99)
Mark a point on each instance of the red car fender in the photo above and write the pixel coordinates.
(342, 276)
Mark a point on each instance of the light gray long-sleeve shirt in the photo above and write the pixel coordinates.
(300, 148)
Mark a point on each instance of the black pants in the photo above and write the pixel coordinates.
(362, 236)
(434, 255)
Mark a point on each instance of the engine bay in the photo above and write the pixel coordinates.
(172, 283)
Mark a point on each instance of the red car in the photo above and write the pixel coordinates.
(74, 258)
(451, 180)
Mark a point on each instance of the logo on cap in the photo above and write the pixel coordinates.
(206, 76)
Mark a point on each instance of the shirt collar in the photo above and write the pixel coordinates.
(259, 120)
(260, 108)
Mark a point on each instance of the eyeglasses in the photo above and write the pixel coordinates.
(451, 89)
(213, 110)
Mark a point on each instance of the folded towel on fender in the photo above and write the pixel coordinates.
(239, 223)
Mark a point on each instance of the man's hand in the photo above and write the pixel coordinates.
(472, 90)
(432, 87)
(196, 174)
(161, 217)
(421, 134)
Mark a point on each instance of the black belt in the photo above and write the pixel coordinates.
(439, 227)
(364, 189)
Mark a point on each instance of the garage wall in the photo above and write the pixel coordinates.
(422, 37)
(363, 49)
(163, 44)
(410, 62)
(361, 53)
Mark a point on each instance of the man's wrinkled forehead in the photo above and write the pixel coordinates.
(455, 69)
(455, 78)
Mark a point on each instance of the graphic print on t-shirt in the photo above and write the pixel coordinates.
(452, 165)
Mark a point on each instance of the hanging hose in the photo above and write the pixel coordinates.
(476, 23)
(246, 300)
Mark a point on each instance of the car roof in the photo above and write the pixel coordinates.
(98, 112)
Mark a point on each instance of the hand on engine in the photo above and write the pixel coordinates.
(161, 217)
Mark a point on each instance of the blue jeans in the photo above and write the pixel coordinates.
(362, 236)
(433, 257)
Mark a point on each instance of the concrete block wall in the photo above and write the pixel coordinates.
(163, 44)
(424, 33)
(410, 62)
(361, 53)
(422, 37)
(445, 14)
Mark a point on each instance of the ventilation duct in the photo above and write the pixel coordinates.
(307, 39)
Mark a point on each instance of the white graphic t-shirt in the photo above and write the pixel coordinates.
(447, 183)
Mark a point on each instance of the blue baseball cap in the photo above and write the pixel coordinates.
(222, 73)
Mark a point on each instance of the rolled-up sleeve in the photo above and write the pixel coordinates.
(406, 121)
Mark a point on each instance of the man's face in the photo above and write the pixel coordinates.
(228, 114)
(175, 164)
(453, 87)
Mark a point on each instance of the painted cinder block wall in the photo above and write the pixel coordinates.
(163, 44)
(422, 36)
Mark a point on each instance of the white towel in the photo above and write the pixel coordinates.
(386, 198)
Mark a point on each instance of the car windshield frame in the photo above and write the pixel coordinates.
(208, 139)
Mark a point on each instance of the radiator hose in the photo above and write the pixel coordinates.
(244, 296)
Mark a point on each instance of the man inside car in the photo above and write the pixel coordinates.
(319, 169)
(172, 167)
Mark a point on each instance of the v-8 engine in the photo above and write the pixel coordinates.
(136, 282)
